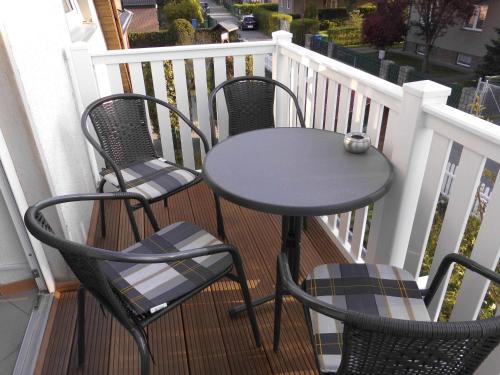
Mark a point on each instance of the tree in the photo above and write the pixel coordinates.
(387, 25)
(491, 61)
(186, 9)
(435, 17)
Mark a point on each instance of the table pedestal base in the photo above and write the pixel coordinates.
(291, 230)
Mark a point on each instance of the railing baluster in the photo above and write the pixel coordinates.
(459, 207)
(429, 195)
(319, 113)
(358, 112)
(160, 88)
(343, 111)
(301, 93)
(486, 252)
(200, 83)
(115, 78)
(239, 65)
(310, 96)
(182, 103)
(222, 116)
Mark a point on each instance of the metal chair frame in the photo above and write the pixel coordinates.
(151, 154)
(85, 263)
(362, 330)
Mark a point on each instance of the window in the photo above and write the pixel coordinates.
(287, 4)
(464, 60)
(421, 50)
(476, 21)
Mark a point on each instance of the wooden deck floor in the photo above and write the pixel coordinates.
(199, 337)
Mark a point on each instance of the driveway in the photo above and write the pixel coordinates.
(221, 14)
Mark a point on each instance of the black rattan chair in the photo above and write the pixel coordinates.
(113, 277)
(250, 104)
(132, 164)
(357, 316)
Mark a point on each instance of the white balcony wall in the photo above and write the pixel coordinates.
(38, 111)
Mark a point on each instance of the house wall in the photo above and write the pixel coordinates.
(459, 40)
(39, 113)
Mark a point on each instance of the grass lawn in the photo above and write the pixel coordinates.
(439, 72)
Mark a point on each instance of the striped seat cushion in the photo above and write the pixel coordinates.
(375, 289)
(150, 286)
(152, 178)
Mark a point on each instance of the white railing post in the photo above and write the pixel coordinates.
(394, 214)
(281, 72)
(86, 90)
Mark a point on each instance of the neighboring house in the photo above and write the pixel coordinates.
(298, 6)
(145, 15)
(462, 45)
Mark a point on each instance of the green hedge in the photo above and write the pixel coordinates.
(151, 39)
(367, 9)
(301, 27)
(333, 14)
(346, 35)
(251, 8)
(268, 21)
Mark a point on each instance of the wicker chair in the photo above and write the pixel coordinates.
(250, 104)
(357, 316)
(106, 274)
(132, 164)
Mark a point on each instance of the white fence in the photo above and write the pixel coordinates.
(412, 122)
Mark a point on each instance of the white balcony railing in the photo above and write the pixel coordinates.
(412, 122)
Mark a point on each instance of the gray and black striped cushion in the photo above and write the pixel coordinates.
(370, 288)
(152, 178)
(145, 286)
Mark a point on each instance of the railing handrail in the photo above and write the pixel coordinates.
(182, 52)
(472, 132)
(352, 76)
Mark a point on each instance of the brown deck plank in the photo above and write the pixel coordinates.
(199, 337)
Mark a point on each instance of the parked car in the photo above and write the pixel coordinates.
(248, 22)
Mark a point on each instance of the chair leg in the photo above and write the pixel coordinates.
(133, 223)
(142, 345)
(248, 301)
(220, 220)
(101, 209)
(81, 325)
(278, 304)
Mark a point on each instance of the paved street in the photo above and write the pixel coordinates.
(221, 14)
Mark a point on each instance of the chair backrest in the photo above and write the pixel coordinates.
(250, 103)
(121, 125)
(374, 345)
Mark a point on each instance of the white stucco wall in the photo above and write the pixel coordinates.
(36, 34)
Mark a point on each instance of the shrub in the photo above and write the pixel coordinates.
(186, 9)
(296, 15)
(333, 14)
(301, 27)
(345, 35)
(324, 25)
(180, 32)
(249, 8)
(268, 21)
(367, 9)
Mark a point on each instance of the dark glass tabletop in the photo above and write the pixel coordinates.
(296, 172)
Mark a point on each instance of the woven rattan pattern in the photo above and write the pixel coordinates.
(122, 128)
(249, 105)
(389, 346)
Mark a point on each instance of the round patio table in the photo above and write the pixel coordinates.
(295, 172)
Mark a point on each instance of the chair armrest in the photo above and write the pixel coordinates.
(467, 263)
(288, 285)
(121, 257)
(30, 216)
